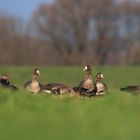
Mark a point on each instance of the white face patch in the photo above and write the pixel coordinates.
(85, 68)
(37, 72)
(102, 76)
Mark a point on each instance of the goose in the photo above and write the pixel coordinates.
(101, 86)
(57, 88)
(131, 88)
(87, 87)
(5, 82)
(33, 86)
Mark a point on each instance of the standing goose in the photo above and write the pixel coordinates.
(33, 86)
(5, 82)
(88, 86)
(101, 86)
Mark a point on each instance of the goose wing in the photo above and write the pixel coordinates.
(4, 83)
(51, 87)
(27, 83)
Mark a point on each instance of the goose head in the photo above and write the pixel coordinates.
(36, 72)
(87, 68)
(88, 71)
(99, 76)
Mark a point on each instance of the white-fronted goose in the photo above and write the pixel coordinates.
(5, 82)
(33, 86)
(57, 88)
(132, 88)
(88, 86)
(101, 86)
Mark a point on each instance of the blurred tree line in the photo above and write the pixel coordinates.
(73, 32)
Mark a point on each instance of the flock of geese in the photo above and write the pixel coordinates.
(88, 87)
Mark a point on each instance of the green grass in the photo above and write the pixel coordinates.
(112, 117)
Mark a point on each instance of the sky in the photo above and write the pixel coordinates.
(21, 8)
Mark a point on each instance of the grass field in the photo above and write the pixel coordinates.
(112, 117)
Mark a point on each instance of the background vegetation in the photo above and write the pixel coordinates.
(73, 32)
(115, 116)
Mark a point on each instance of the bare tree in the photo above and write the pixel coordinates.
(73, 32)
(77, 26)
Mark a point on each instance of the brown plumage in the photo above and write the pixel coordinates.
(132, 88)
(87, 87)
(101, 86)
(33, 86)
(57, 88)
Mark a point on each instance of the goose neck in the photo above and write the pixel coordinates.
(88, 75)
(34, 77)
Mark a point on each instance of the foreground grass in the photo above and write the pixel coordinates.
(115, 116)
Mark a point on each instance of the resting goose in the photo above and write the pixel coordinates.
(57, 88)
(101, 86)
(33, 86)
(5, 82)
(133, 88)
(88, 86)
